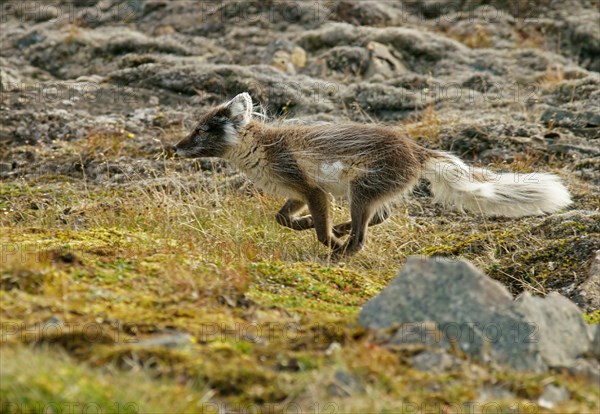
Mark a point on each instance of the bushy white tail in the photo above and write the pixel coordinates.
(492, 193)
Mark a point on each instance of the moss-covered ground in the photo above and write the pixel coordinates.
(91, 274)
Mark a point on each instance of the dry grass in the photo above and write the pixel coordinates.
(478, 39)
(552, 78)
(528, 36)
(197, 253)
(425, 126)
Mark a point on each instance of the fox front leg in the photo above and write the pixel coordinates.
(318, 205)
(285, 216)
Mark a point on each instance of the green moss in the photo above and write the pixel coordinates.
(25, 280)
(518, 257)
(553, 263)
(39, 381)
(455, 245)
(592, 318)
(302, 286)
(217, 267)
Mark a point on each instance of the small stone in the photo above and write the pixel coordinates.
(299, 57)
(344, 384)
(438, 361)
(333, 348)
(382, 62)
(283, 62)
(553, 395)
(495, 393)
(561, 117)
(5, 167)
(171, 340)
(53, 320)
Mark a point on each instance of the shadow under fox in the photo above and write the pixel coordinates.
(369, 165)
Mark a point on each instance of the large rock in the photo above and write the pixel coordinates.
(479, 316)
(435, 289)
(469, 308)
(560, 332)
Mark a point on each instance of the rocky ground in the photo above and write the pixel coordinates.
(101, 227)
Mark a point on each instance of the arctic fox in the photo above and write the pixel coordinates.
(370, 165)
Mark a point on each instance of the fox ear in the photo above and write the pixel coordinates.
(240, 109)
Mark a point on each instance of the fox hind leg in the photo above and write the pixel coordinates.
(367, 207)
(285, 216)
(361, 214)
(381, 215)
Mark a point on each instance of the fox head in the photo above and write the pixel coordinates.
(217, 131)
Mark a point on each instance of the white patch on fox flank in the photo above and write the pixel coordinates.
(331, 172)
(330, 176)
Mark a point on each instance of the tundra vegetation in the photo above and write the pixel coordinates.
(139, 283)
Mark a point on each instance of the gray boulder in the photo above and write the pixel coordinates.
(560, 330)
(478, 315)
(470, 309)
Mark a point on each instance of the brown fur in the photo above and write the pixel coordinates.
(368, 164)
(272, 157)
